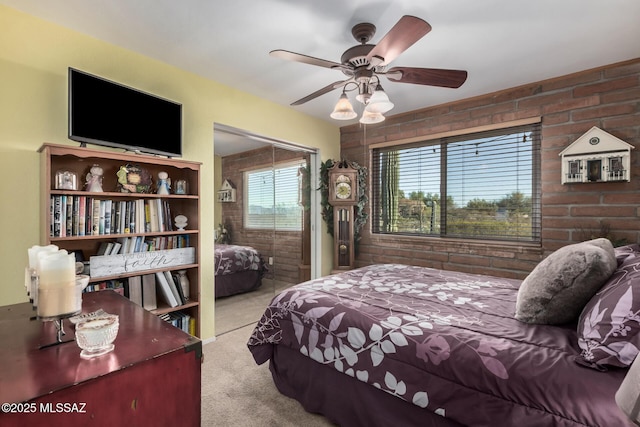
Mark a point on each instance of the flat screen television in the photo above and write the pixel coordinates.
(106, 113)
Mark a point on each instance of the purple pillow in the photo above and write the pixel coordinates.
(622, 252)
(609, 326)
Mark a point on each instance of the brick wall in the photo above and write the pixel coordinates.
(284, 247)
(607, 97)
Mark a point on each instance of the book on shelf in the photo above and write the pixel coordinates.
(149, 298)
(88, 220)
(134, 289)
(180, 320)
(173, 287)
(160, 214)
(120, 217)
(153, 216)
(147, 217)
(116, 248)
(108, 204)
(165, 290)
(116, 285)
(82, 215)
(75, 223)
(178, 283)
(69, 215)
(141, 220)
(95, 219)
(55, 216)
(102, 249)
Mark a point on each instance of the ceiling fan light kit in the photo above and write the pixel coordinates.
(343, 109)
(379, 102)
(369, 118)
(363, 64)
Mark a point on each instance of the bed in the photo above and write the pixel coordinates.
(402, 345)
(238, 269)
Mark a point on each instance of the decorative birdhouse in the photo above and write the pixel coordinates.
(596, 156)
(227, 192)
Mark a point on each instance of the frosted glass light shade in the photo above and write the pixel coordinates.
(343, 109)
(379, 102)
(369, 118)
(628, 395)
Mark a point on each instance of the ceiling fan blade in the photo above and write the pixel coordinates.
(427, 76)
(326, 89)
(298, 57)
(405, 33)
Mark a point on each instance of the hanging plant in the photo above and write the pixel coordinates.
(327, 209)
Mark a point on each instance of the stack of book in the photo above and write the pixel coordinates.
(169, 284)
(134, 244)
(181, 321)
(85, 216)
(139, 289)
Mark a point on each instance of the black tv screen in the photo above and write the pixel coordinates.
(106, 113)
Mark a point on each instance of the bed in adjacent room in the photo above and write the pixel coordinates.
(238, 269)
(394, 344)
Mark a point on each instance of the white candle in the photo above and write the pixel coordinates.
(31, 271)
(56, 269)
(35, 250)
(56, 284)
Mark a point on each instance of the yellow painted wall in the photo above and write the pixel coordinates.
(34, 58)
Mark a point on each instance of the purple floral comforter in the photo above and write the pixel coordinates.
(231, 259)
(445, 341)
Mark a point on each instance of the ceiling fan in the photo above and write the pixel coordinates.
(363, 65)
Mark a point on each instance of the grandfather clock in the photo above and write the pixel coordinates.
(343, 196)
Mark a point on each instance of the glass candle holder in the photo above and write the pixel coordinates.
(95, 336)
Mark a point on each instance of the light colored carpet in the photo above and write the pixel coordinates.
(237, 392)
(241, 310)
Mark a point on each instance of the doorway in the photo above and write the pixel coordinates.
(271, 213)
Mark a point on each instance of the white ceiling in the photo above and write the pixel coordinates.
(501, 43)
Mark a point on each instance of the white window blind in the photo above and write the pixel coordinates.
(272, 200)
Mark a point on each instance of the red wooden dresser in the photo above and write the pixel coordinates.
(151, 378)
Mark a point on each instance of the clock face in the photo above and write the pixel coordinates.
(343, 190)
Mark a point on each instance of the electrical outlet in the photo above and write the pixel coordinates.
(270, 260)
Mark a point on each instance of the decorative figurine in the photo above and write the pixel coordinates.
(164, 183)
(133, 179)
(94, 179)
(223, 235)
(66, 180)
(181, 222)
(181, 187)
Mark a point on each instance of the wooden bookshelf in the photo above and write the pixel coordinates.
(78, 161)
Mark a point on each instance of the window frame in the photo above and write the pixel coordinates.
(441, 142)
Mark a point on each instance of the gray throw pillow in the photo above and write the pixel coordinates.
(557, 290)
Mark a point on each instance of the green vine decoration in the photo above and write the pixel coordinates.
(327, 209)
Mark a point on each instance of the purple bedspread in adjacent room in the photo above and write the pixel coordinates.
(233, 258)
(445, 341)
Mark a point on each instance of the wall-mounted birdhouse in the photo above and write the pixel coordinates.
(597, 156)
(227, 192)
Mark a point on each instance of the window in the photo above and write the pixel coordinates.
(273, 197)
(484, 186)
